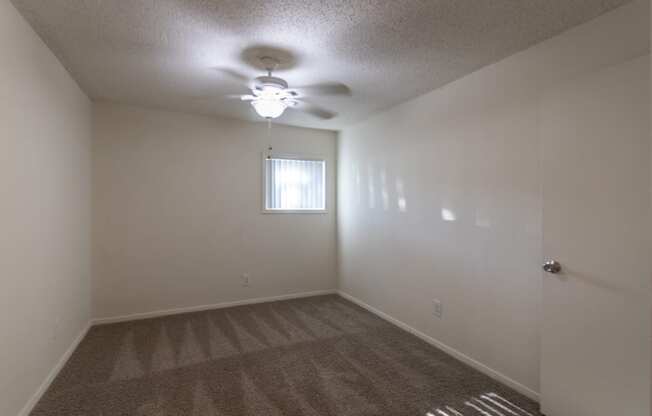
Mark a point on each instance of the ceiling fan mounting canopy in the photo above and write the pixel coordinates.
(269, 63)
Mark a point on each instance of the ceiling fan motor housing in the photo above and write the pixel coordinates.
(269, 83)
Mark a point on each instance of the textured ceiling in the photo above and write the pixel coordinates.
(163, 53)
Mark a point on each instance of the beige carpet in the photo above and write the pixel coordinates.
(318, 356)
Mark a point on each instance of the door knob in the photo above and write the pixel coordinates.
(552, 266)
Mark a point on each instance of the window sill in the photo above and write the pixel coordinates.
(295, 211)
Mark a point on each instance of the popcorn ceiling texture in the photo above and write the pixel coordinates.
(159, 53)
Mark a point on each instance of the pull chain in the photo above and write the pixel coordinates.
(269, 136)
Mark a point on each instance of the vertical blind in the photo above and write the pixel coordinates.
(294, 184)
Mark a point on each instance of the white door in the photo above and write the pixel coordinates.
(596, 191)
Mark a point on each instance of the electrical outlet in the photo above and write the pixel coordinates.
(245, 279)
(437, 308)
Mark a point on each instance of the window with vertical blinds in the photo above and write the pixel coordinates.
(295, 184)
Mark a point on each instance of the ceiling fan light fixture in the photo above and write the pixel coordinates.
(269, 107)
(270, 95)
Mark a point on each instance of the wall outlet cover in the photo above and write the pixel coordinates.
(437, 309)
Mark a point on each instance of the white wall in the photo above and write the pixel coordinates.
(440, 198)
(45, 138)
(177, 213)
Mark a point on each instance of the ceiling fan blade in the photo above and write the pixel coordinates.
(333, 88)
(218, 97)
(313, 110)
(233, 75)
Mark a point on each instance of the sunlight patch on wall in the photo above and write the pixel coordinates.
(371, 186)
(482, 219)
(448, 214)
(358, 184)
(401, 202)
(383, 189)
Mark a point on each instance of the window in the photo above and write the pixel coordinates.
(294, 184)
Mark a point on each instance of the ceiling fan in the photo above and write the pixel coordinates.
(270, 96)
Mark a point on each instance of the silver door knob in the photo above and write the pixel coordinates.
(552, 266)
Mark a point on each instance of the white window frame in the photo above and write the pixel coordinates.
(265, 156)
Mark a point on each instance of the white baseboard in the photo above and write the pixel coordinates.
(175, 311)
(29, 406)
(496, 375)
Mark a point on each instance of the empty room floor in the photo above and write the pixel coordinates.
(313, 356)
